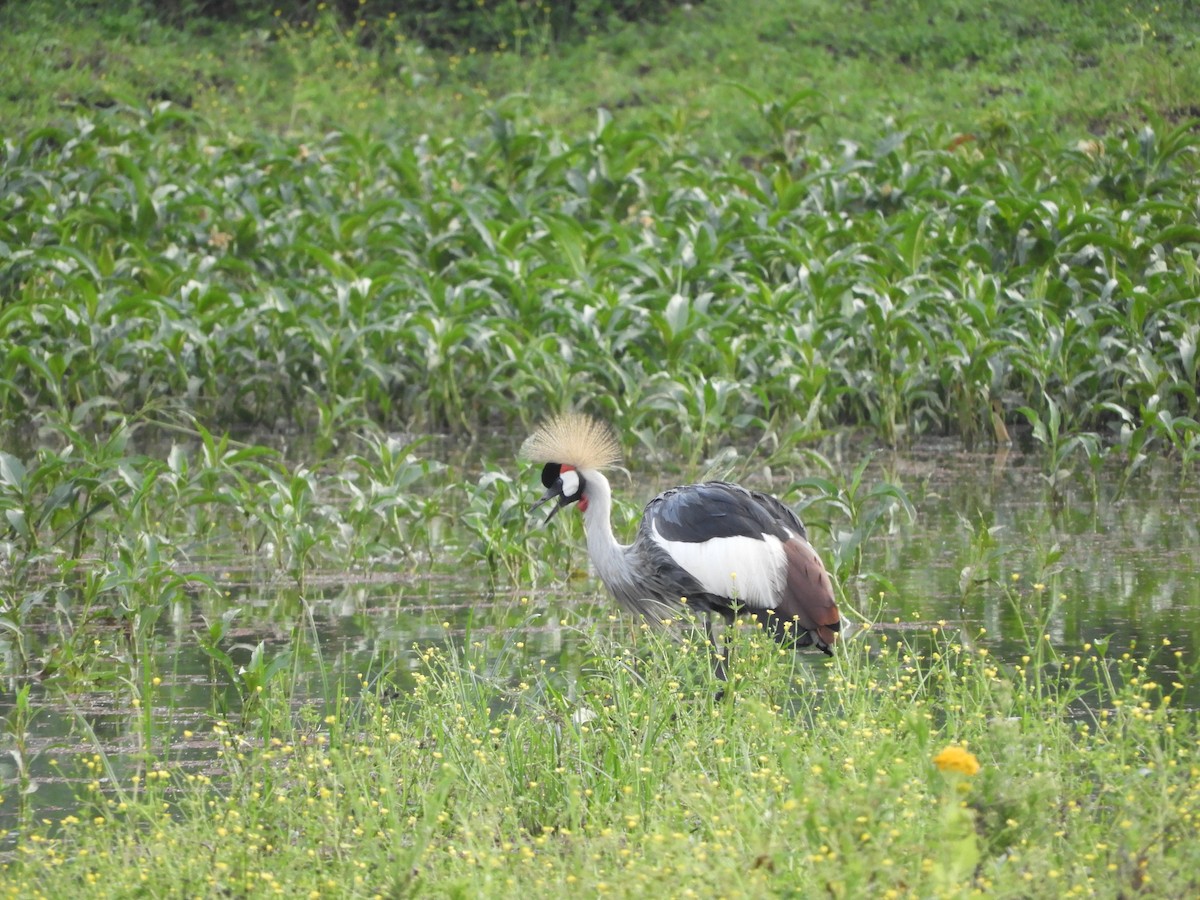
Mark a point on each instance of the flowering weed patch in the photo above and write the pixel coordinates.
(626, 775)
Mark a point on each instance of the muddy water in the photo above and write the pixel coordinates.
(989, 537)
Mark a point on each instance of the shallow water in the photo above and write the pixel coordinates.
(988, 538)
(1124, 566)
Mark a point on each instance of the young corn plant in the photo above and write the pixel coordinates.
(854, 510)
(1059, 448)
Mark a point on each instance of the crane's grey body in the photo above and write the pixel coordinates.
(715, 546)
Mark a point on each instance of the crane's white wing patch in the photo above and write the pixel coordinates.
(751, 570)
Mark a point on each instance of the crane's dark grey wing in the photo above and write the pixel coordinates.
(716, 509)
(781, 512)
(724, 538)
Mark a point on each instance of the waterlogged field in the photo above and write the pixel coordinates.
(273, 618)
(347, 703)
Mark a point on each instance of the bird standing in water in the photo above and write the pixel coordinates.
(715, 546)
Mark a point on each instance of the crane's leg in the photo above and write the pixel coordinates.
(720, 652)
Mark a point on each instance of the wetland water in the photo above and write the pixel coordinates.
(988, 538)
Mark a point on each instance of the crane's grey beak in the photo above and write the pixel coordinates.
(555, 491)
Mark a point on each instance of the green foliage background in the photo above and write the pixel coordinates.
(914, 286)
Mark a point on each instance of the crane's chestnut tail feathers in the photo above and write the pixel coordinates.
(806, 603)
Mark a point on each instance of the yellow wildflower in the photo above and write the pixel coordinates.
(957, 759)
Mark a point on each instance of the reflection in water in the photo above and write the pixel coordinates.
(988, 540)
(1114, 566)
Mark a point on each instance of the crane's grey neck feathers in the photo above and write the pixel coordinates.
(573, 439)
(616, 563)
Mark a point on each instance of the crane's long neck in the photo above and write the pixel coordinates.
(608, 556)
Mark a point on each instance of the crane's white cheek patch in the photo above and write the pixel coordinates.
(751, 570)
(570, 483)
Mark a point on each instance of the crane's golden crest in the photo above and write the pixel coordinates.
(573, 439)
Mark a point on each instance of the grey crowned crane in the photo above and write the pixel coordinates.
(717, 546)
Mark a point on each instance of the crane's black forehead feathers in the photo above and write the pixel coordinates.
(715, 509)
(550, 473)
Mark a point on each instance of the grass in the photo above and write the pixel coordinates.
(498, 775)
(988, 68)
